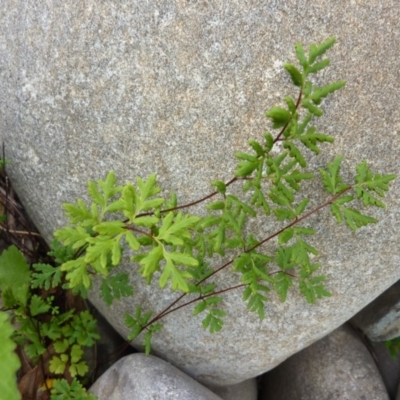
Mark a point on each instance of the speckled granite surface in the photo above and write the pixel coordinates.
(178, 87)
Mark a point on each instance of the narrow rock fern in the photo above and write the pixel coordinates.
(177, 248)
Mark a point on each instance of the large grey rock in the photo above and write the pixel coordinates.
(148, 378)
(337, 367)
(380, 320)
(389, 367)
(178, 88)
(246, 390)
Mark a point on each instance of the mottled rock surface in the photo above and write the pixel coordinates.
(148, 378)
(246, 390)
(389, 367)
(380, 319)
(337, 367)
(177, 88)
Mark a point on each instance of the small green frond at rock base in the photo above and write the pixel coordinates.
(9, 362)
(61, 346)
(393, 346)
(62, 390)
(58, 364)
(15, 275)
(115, 287)
(60, 253)
(149, 335)
(38, 305)
(76, 353)
(78, 369)
(45, 276)
(137, 322)
(84, 329)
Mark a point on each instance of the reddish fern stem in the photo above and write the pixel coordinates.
(169, 309)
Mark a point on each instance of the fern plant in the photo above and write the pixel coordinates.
(178, 247)
(29, 294)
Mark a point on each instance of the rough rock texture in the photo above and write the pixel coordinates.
(148, 378)
(380, 319)
(337, 367)
(109, 348)
(177, 88)
(389, 367)
(246, 390)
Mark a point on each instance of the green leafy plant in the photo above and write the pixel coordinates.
(9, 363)
(178, 247)
(393, 346)
(29, 294)
(63, 390)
